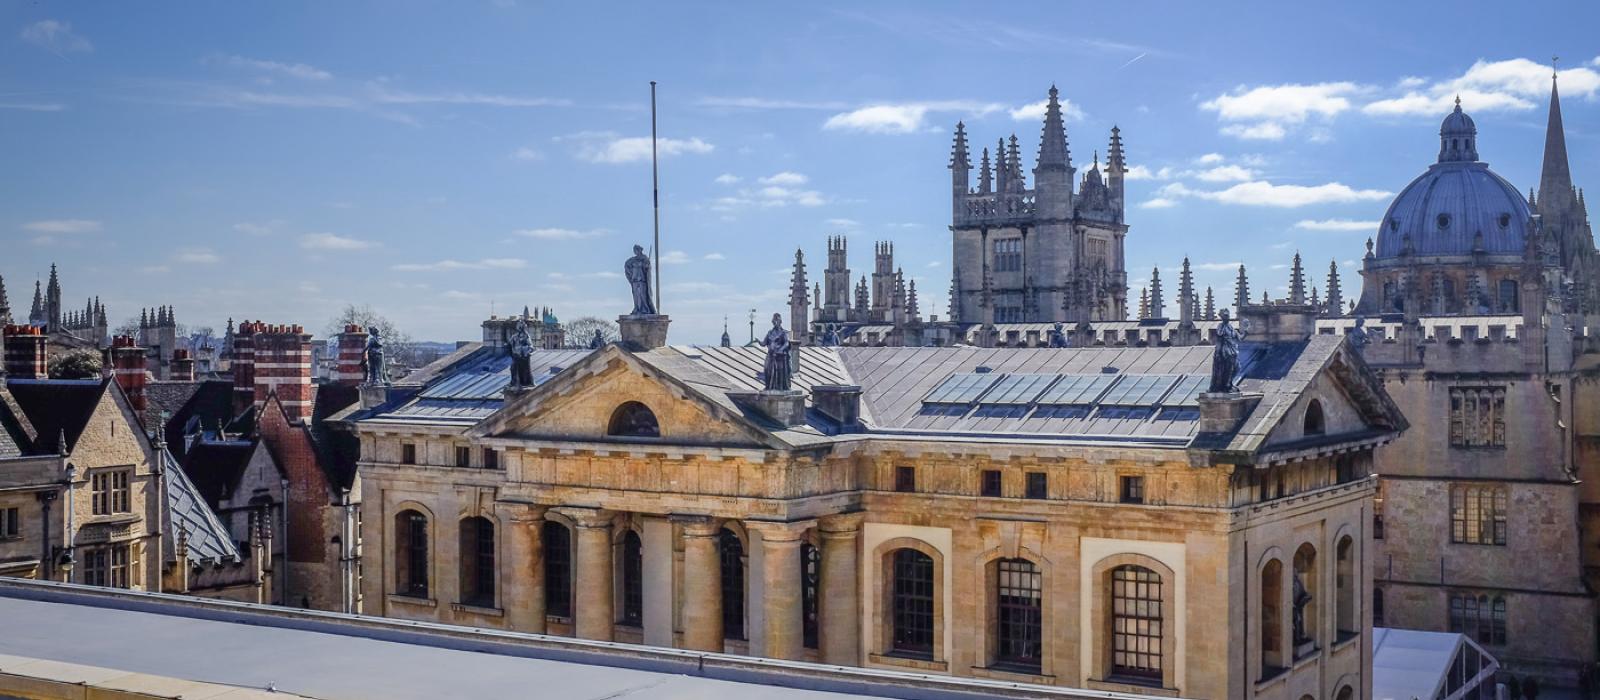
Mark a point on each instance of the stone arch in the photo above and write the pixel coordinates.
(477, 574)
(1306, 570)
(633, 419)
(1346, 585)
(1314, 421)
(987, 575)
(883, 559)
(1270, 614)
(408, 576)
(735, 616)
(1101, 616)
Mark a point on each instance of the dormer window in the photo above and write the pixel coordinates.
(633, 419)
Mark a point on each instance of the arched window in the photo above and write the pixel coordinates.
(1315, 423)
(477, 562)
(411, 554)
(1479, 616)
(633, 419)
(810, 586)
(1508, 297)
(632, 579)
(1345, 693)
(911, 604)
(1272, 658)
(1346, 582)
(1377, 607)
(732, 559)
(557, 540)
(1019, 615)
(1136, 624)
(1306, 597)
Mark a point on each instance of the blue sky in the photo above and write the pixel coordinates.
(278, 160)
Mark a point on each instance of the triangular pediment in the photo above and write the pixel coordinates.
(1352, 406)
(579, 405)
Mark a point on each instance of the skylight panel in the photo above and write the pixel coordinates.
(1019, 388)
(961, 388)
(1188, 391)
(1077, 389)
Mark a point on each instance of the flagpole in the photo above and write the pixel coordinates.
(655, 192)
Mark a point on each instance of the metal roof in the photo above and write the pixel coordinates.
(207, 539)
(473, 387)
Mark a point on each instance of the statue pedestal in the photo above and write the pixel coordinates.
(786, 407)
(1222, 412)
(373, 395)
(644, 332)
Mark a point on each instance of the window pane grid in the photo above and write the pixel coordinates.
(632, 580)
(1478, 515)
(912, 609)
(557, 569)
(1136, 623)
(732, 556)
(1019, 614)
(810, 586)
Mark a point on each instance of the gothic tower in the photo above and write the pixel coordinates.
(836, 280)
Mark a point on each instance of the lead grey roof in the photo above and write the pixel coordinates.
(469, 385)
(208, 540)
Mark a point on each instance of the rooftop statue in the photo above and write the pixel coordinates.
(1225, 360)
(637, 270)
(521, 357)
(1358, 333)
(377, 369)
(777, 372)
(597, 341)
(1057, 338)
(830, 336)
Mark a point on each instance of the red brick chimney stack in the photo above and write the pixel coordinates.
(182, 366)
(127, 363)
(283, 367)
(352, 351)
(25, 352)
(244, 366)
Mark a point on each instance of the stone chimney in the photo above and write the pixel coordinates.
(283, 368)
(182, 366)
(127, 367)
(352, 351)
(839, 402)
(244, 366)
(25, 352)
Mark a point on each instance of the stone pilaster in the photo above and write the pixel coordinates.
(595, 617)
(702, 584)
(780, 578)
(658, 581)
(839, 613)
(523, 577)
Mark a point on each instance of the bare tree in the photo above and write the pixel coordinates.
(401, 349)
(580, 330)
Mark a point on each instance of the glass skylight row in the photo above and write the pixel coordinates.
(961, 388)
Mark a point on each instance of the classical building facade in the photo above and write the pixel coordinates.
(1083, 517)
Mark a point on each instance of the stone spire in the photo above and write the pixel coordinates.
(1052, 177)
(912, 312)
(1297, 282)
(1241, 291)
(1002, 167)
(1116, 170)
(727, 340)
(1555, 179)
(1158, 307)
(36, 314)
(1210, 312)
(816, 299)
(52, 301)
(960, 172)
(1053, 151)
(863, 302)
(799, 323)
(985, 175)
(1014, 179)
(1335, 291)
(1315, 301)
(5, 304)
(1186, 297)
(1144, 303)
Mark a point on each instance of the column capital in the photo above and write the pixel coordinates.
(587, 517)
(776, 532)
(522, 513)
(698, 525)
(840, 524)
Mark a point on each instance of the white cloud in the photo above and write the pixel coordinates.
(1336, 225)
(1419, 104)
(56, 37)
(561, 234)
(1215, 266)
(611, 148)
(674, 257)
(198, 256)
(1516, 84)
(293, 70)
(1411, 81)
(328, 241)
(1225, 173)
(715, 256)
(1034, 111)
(902, 118)
(1159, 203)
(54, 226)
(1140, 172)
(1265, 194)
(1209, 159)
(785, 178)
(1266, 112)
(526, 154)
(484, 264)
(728, 179)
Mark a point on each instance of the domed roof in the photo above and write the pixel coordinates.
(1458, 206)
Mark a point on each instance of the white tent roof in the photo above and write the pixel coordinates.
(1412, 664)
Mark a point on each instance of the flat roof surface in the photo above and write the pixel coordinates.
(329, 665)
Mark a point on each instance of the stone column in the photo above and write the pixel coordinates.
(522, 576)
(658, 598)
(780, 583)
(839, 613)
(702, 583)
(595, 616)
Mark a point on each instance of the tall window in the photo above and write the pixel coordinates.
(990, 485)
(463, 456)
(911, 605)
(1008, 255)
(1377, 607)
(905, 479)
(1136, 623)
(1037, 486)
(1019, 615)
(491, 459)
(731, 552)
(1271, 618)
(10, 523)
(1477, 416)
(1479, 616)
(810, 587)
(1345, 581)
(411, 553)
(557, 542)
(1508, 297)
(110, 491)
(408, 453)
(108, 566)
(477, 562)
(632, 579)
(634, 419)
(1477, 514)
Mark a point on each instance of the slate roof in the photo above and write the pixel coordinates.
(216, 466)
(190, 407)
(208, 540)
(57, 407)
(468, 385)
(337, 450)
(16, 433)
